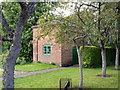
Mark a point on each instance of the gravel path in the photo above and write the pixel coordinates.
(24, 74)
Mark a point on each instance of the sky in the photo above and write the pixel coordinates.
(65, 11)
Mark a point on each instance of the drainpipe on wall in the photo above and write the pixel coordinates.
(35, 44)
(35, 51)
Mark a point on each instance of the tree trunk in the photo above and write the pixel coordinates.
(117, 58)
(118, 36)
(8, 75)
(8, 78)
(80, 66)
(103, 54)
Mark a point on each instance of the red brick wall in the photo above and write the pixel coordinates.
(54, 57)
(59, 54)
(35, 51)
(66, 56)
(35, 45)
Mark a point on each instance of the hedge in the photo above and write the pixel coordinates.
(92, 56)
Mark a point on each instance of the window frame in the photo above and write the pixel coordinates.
(47, 50)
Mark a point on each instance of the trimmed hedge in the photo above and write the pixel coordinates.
(92, 56)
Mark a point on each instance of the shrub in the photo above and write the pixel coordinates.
(21, 60)
(2, 58)
(110, 55)
(26, 51)
(92, 56)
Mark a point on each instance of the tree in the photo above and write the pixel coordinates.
(107, 31)
(98, 24)
(11, 17)
(27, 48)
(70, 31)
(26, 10)
(117, 35)
(105, 27)
(100, 27)
(92, 21)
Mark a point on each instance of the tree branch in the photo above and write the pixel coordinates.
(80, 37)
(31, 7)
(81, 19)
(7, 39)
(78, 10)
(5, 25)
(90, 5)
(6, 28)
(22, 3)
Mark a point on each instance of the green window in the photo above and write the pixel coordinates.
(46, 49)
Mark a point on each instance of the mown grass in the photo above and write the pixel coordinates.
(1, 73)
(34, 67)
(51, 79)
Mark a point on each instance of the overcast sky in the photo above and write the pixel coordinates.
(61, 10)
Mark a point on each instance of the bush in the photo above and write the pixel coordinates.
(110, 56)
(92, 56)
(21, 60)
(2, 57)
(26, 51)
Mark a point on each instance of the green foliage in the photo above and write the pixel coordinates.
(2, 58)
(92, 56)
(110, 55)
(27, 47)
(65, 28)
(21, 60)
(102, 24)
(5, 46)
(11, 11)
(26, 51)
(1, 73)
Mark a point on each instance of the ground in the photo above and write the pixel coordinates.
(51, 79)
(1, 73)
(34, 67)
(23, 69)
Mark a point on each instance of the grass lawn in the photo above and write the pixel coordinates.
(51, 79)
(34, 67)
(1, 73)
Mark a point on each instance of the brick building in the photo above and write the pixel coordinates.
(50, 52)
